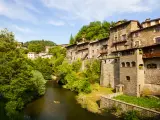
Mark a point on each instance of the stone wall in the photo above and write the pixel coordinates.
(128, 75)
(153, 89)
(152, 75)
(109, 73)
(145, 37)
(110, 103)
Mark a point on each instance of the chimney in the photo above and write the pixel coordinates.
(148, 19)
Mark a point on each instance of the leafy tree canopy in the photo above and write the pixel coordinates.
(19, 82)
(71, 41)
(38, 45)
(95, 30)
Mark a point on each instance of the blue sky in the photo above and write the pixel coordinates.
(55, 20)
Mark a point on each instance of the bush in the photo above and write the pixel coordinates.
(130, 115)
(146, 91)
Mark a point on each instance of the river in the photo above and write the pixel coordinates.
(45, 108)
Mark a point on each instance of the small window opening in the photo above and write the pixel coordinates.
(133, 64)
(128, 78)
(140, 66)
(123, 64)
(152, 66)
(140, 51)
(128, 64)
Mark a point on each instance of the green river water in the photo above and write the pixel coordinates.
(44, 108)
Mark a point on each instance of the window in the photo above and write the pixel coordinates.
(152, 66)
(141, 66)
(157, 40)
(157, 29)
(97, 51)
(137, 43)
(128, 64)
(148, 24)
(124, 37)
(133, 64)
(123, 64)
(115, 38)
(140, 51)
(136, 34)
(128, 78)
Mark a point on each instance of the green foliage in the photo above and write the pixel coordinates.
(92, 71)
(130, 115)
(39, 82)
(77, 80)
(71, 41)
(18, 85)
(77, 65)
(44, 66)
(59, 53)
(141, 101)
(95, 30)
(38, 45)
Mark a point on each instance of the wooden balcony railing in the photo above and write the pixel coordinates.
(82, 48)
(119, 41)
(151, 55)
(103, 51)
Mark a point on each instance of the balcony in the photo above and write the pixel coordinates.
(82, 48)
(119, 41)
(103, 52)
(151, 55)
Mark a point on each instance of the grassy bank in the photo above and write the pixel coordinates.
(152, 103)
(91, 101)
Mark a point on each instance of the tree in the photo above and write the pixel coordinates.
(95, 30)
(18, 85)
(44, 66)
(71, 40)
(38, 45)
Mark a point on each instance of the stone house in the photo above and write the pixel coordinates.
(47, 48)
(71, 52)
(98, 48)
(32, 55)
(130, 57)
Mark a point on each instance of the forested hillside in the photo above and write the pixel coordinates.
(38, 45)
(95, 30)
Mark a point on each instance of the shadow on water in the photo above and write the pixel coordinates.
(45, 108)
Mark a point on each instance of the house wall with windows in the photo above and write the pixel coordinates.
(152, 71)
(98, 48)
(128, 73)
(146, 37)
(82, 50)
(119, 35)
(130, 57)
(71, 52)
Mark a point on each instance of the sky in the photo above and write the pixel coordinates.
(56, 20)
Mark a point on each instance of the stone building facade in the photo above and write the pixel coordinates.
(130, 57)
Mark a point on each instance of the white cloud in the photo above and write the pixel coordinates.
(21, 29)
(13, 10)
(101, 9)
(27, 4)
(56, 23)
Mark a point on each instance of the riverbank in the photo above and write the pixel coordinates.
(91, 101)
